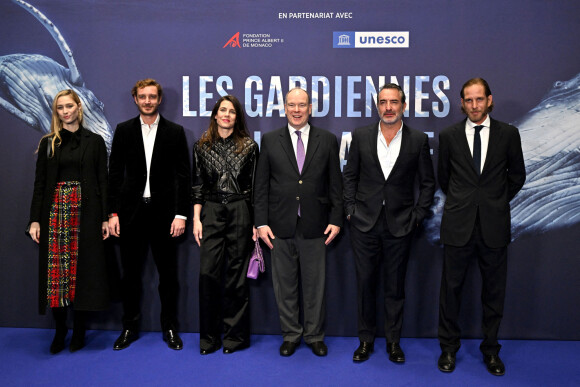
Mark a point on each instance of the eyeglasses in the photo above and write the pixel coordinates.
(300, 105)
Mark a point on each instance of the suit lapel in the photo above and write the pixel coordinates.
(286, 145)
(461, 140)
(494, 138)
(373, 142)
(159, 138)
(313, 144)
(138, 141)
(403, 149)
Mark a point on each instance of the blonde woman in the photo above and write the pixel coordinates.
(68, 220)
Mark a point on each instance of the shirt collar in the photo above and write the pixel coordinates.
(485, 123)
(304, 130)
(398, 131)
(155, 123)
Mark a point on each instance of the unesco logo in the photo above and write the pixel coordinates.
(374, 39)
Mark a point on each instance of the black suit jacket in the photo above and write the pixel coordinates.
(169, 173)
(503, 175)
(365, 187)
(279, 187)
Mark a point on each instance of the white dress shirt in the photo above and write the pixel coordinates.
(388, 153)
(149, 133)
(304, 136)
(483, 134)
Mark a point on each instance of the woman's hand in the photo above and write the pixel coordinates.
(197, 231)
(34, 231)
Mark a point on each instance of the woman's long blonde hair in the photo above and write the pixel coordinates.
(56, 123)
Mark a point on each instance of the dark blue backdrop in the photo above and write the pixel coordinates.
(521, 47)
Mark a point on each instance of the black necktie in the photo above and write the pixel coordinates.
(477, 149)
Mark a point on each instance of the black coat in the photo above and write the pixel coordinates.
(92, 290)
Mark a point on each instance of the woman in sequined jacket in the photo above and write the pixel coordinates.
(224, 165)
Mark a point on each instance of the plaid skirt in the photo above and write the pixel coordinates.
(63, 243)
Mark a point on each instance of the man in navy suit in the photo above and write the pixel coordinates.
(149, 175)
(481, 168)
(298, 211)
(387, 163)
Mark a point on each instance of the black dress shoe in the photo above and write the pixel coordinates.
(446, 362)
(363, 352)
(171, 337)
(125, 339)
(208, 350)
(287, 348)
(230, 350)
(318, 348)
(396, 354)
(77, 342)
(494, 365)
(57, 344)
(78, 339)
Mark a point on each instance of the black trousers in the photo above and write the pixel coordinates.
(149, 229)
(493, 267)
(225, 250)
(371, 250)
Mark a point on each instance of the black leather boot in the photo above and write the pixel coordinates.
(79, 328)
(59, 315)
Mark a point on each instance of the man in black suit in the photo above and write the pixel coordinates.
(298, 211)
(149, 174)
(384, 163)
(481, 168)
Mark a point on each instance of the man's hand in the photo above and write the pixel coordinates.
(114, 226)
(105, 230)
(255, 234)
(266, 234)
(177, 227)
(333, 231)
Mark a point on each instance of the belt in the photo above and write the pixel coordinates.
(225, 199)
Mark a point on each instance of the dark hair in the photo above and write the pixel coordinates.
(397, 87)
(147, 82)
(211, 135)
(477, 81)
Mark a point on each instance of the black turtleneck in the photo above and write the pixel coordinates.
(69, 166)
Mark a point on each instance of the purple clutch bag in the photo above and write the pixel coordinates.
(256, 261)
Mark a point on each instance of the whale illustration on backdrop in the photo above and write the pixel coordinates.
(550, 198)
(29, 82)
